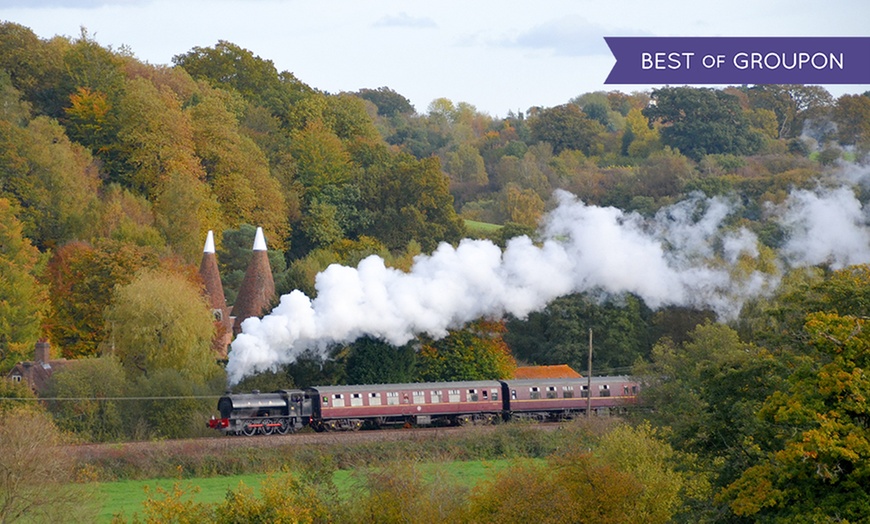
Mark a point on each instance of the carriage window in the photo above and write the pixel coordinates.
(338, 400)
(325, 401)
(604, 390)
(534, 393)
(392, 398)
(567, 391)
(374, 399)
(513, 394)
(551, 391)
(472, 395)
(484, 392)
(419, 397)
(494, 395)
(584, 391)
(634, 390)
(453, 395)
(436, 397)
(356, 399)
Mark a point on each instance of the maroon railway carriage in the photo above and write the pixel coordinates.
(561, 398)
(422, 404)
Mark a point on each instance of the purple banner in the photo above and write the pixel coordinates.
(740, 60)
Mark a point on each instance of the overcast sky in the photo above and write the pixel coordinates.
(496, 55)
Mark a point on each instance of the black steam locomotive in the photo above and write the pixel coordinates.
(421, 404)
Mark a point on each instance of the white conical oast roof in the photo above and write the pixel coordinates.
(209, 243)
(259, 240)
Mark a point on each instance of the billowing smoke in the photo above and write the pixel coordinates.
(686, 255)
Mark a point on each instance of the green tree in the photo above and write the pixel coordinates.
(560, 333)
(161, 321)
(375, 362)
(22, 297)
(701, 121)
(93, 384)
(818, 472)
(408, 199)
(228, 66)
(178, 404)
(388, 102)
(234, 254)
(567, 127)
(707, 392)
(476, 352)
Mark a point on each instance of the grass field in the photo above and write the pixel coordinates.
(126, 497)
(481, 228)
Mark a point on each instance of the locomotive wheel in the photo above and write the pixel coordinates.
(248, 431)
(267, 429)
(287, 426)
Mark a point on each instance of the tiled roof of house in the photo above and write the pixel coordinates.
(557, 371)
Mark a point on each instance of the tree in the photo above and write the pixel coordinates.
(161, 321)
(22, 297)
(852, 114)
(37, 481)
(567, 127)
(476, 352)
(702, 121)
(793, 104)
(388, 102)
(707, 392)
(408, 199)
(376, 362)
(818, 472)
(560, 333)
(82, 279)
(94, 384)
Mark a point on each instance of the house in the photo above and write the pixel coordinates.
(38, 372)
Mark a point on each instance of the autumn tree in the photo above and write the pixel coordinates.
(161, 321)
(22, 297)
(476, 352)
(793, 104)
(82, 278)
(37, 480)
(630, 476)
(852, 114)
(817, 468)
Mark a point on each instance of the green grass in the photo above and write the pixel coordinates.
(484, 228)
(126, 497)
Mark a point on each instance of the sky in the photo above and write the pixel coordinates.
(498, 56)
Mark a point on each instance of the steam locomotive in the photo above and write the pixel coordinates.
(350, 408)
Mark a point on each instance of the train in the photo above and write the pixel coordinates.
(350, 408)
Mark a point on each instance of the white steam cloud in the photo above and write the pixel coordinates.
(685, 256)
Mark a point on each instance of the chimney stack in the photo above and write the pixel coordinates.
(43, 351)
